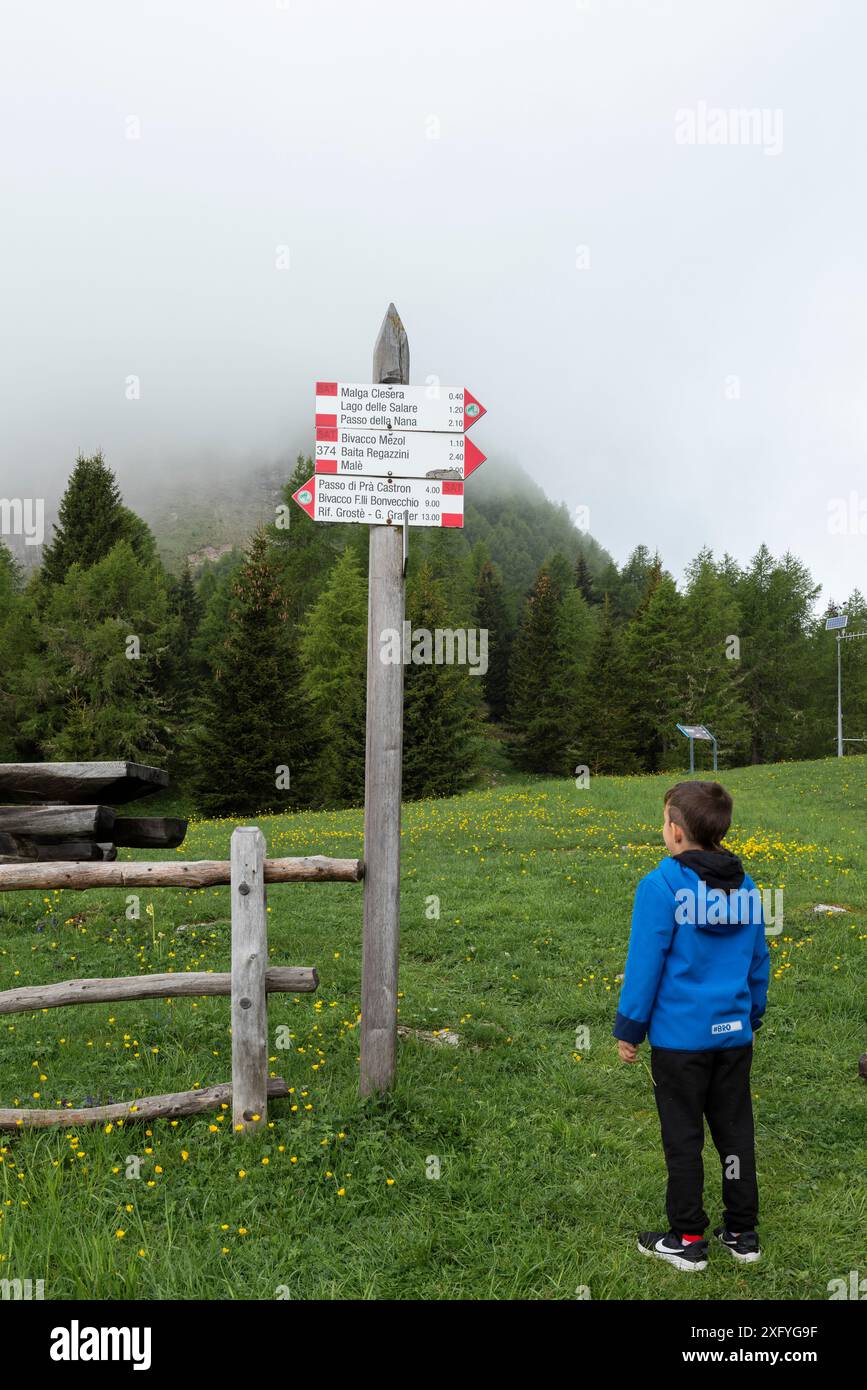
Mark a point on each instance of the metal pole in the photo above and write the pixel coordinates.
(691, 755)
(839, 700)
(714, 755)
(383, 768)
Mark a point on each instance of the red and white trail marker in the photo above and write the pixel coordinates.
(401, 453)
(366, 406)
(376, 501)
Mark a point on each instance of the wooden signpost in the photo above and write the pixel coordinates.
(390, 455)
(383, 769)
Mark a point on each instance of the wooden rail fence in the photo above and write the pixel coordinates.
(248, 983)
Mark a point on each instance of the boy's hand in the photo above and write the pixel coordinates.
(628, 1051)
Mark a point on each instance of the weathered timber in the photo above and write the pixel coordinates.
(183, 984)
(14, 850)
(149, 832)
(197, 873)
(168, 1107)
(57, 823)
(249, 967)
(81, 851)
(383, 768)
(112, 782)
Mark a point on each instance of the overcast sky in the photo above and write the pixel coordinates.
(668, 331)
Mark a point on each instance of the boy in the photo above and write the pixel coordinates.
(696, 984)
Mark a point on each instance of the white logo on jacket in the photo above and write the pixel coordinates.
(734, 1027)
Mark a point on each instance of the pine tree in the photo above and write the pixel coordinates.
(819, 696)
(607, 736)
(215, 591)
(183, 674)
(492, 615)
(608, 587)
(561, 572)
(712, 636)
(854, 675)
(449, 561)
(302, 549)
(543, 707)
(584, 581)
(440, 700)
(94, 685)
(579, 625)
(14, 632)
(334, 659)
(91, 521)
(776, 600)
(188, 607)
(655, 653)
(250, 722)
(634, 579)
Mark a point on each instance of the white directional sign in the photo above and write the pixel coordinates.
(366, 406)
(337, 497)
(403, 453)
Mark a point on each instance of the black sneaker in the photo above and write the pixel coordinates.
(744, 1247)
(668, 1246)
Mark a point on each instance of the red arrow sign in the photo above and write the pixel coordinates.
(306, 496)
(473, 457)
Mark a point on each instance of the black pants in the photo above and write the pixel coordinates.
(716, 1084)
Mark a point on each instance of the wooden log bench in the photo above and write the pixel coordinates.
(83, 831)
(112, 782)
(57, 823)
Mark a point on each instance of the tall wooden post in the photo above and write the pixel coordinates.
(383, 767)
(249, 967)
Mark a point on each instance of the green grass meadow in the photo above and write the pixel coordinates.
(548, 1158)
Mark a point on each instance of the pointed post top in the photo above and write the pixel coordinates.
(391, 352)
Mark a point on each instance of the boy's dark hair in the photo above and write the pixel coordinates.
(702, 809)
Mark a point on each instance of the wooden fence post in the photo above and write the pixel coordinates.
(383, 768)
(249, 966)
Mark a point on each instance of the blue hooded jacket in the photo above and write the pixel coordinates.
(698, 965)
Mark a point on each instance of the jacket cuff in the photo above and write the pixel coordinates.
(756, 1022)
(629, 1029)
